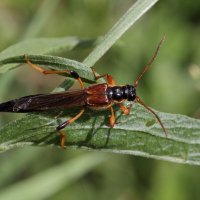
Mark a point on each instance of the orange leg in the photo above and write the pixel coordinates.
(64, 124)
(125, 110)
(62, 139)
(46, 72)
(112, 118)
(108, 78)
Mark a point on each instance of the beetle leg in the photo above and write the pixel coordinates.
(46, 72)
(64, 124)
(125, 110)
(112, 117)
(108, 77)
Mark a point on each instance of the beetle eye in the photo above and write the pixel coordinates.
(131, 93)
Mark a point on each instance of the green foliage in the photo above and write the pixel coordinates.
(136, 134)
(171, 85)
(15, 53)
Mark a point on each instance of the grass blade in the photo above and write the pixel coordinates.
(40, 46)
(124, 23)
(53, 62)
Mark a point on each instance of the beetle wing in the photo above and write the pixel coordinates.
(40, 102)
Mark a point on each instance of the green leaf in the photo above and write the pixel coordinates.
(53, 62)
(136, 134)
(40, 46)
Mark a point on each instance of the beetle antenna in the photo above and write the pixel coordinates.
(150, 63)
(156, 116)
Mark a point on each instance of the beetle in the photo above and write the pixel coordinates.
(96, 97)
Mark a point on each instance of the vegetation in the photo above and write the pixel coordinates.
(172, 85)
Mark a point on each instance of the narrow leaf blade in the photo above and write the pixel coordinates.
(52, 62)
(136, 134)
(41, 46)
(137, 10)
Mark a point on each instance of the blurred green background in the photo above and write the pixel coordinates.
(172, 85)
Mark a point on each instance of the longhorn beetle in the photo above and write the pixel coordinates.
(96, 97)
